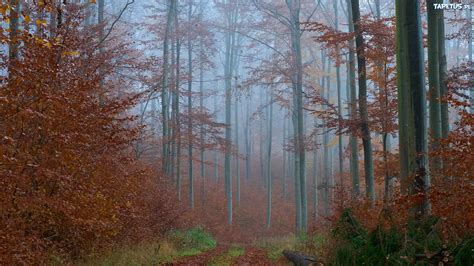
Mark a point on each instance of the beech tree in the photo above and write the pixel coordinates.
(434, 68)
(411, 101)
(354, 159)
(366, 138)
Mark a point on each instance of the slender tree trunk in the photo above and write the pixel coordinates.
(174, 99)
(165, 91)
(315, 174)
(201, 133)
(237, 157)
(434, 82)
(176, 111)
(269, 163)
(366, 138)
(236, 61)
(354, 159)
(262, 142)
(14, 24)
(443, 91)
(190, 107)
(384, 106)
(469, 51)
(283, 177)
(229, 71)
(247, 142)
(201, 104)
(216, 152)
(325, 94)
(178, 115)
(339, 102)
(329, 177)
(294, 7)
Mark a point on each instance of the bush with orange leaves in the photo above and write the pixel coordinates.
(69, 184)
(452, 194)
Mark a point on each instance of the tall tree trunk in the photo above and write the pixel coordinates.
(366, 138)
(443, 91)
(178, 115)
(165, 92)
(175, 105)
(201, 131)
(411, 101)
(384, 106)
(247, 142)
(294, 7)
(469, 51)
(216, 152)
(262, 142)
(190, 107)
(237, 157)
(315, 173)
(236, 131)
(325, 94)
(231, 20)
(14, 24)
(269, 162)
(174, 99)
(285, 162)
(354, 158)
(339, 102)
(434, 82)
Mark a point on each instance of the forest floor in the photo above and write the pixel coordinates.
(197, 247)
(232, 256)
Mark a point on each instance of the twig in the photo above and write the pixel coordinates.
(113, 23)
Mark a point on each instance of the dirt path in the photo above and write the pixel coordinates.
(252, 256)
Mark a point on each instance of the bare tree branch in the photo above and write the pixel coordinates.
(113, 23)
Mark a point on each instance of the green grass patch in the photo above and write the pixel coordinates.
(193, 240)
(275, 246)
(228, 257)
(143, 254)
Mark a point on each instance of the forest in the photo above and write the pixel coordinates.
(236, 132)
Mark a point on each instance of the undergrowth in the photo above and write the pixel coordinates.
(176, 245)
(274, 246)
(416, 244)
(228, 257)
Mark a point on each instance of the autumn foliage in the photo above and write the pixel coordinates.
(70, 184)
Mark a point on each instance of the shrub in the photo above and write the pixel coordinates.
(354, 245)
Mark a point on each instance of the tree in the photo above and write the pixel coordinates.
(339, 103)
(70, 182)
(411, 101)
(366, 138)
(231, 18)
(201, 96)
(434, 80)
(14, 24)
(236, 119)
(269, 162)
(351, 81)
(294, 7)
(443, 64)
(190, 106)
(166, 156)
(470, 51)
